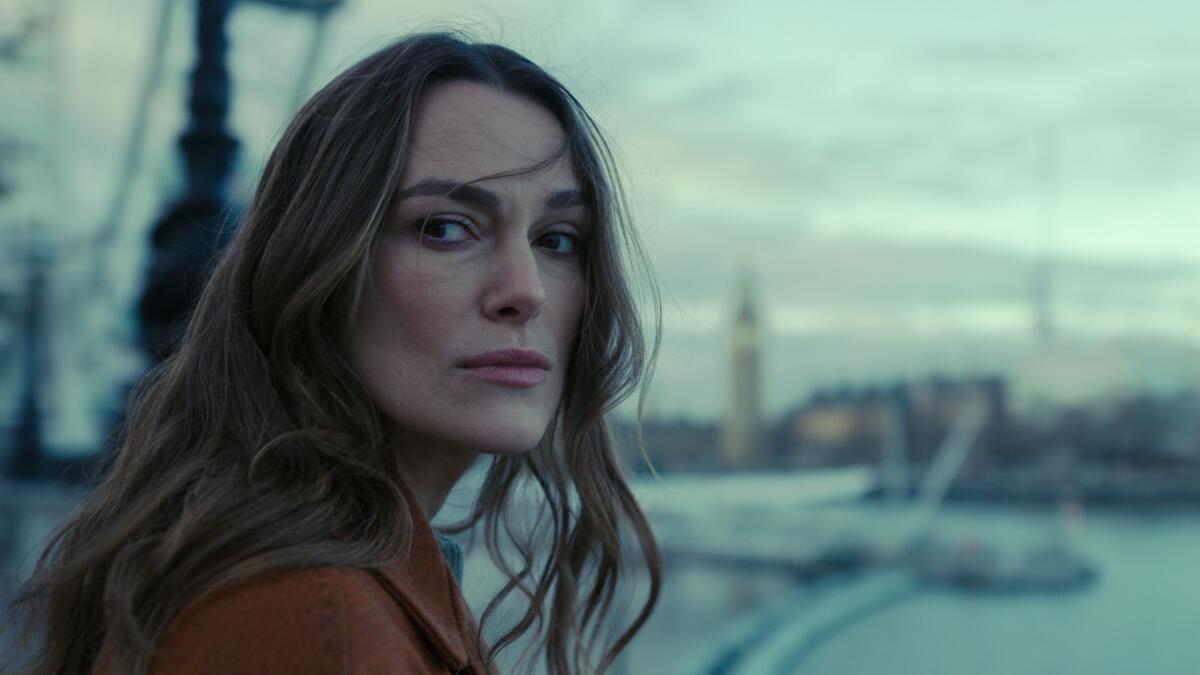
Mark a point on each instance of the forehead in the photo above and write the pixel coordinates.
(464, 131)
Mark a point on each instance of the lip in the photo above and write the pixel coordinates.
(519, 368)
(508, 358)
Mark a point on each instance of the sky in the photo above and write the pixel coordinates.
(891, 171)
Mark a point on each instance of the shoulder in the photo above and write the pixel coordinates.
(319, 620)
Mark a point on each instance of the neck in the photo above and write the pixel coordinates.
(430, 471)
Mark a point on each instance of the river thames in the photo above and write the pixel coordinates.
(1139, 616)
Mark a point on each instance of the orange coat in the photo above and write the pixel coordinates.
(407, 619)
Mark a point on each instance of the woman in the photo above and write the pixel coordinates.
(431, 271)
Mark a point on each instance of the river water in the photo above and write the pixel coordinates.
(1141, 615)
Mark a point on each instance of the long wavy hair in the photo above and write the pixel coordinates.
(256, 448)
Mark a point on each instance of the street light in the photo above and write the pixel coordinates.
(201, 221)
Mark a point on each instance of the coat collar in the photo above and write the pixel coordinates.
(424, 584)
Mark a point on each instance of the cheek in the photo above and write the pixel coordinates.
(390, 330)
(568, 312)
(414, 328)
(371, 343)
(417, 300)
(400, 346)
(420, 298)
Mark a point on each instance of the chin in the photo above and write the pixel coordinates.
(490, 429)
(502, 428)
(510, 440)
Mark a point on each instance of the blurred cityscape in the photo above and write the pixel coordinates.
(944, 420)
(1126, 444)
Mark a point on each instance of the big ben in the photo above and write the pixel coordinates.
(742, 418)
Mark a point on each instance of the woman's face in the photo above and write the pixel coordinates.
(474, 299)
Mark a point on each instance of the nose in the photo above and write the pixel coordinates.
(515, 292)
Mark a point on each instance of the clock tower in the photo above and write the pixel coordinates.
(741, 437)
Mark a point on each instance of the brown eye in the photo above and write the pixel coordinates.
(445, 231)
(563, 243)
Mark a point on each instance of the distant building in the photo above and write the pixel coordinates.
(854, 425)
(1071, 372)
(741, 432)
(672, 445)
(835, 427)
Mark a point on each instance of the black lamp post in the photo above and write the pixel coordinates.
(184, 239)
(28, 461)
(193, 228)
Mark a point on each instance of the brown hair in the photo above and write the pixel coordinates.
(252, 446)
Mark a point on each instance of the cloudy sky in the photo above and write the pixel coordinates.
(891, 170)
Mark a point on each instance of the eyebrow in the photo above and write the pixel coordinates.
(565, 199)
(480, 197)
